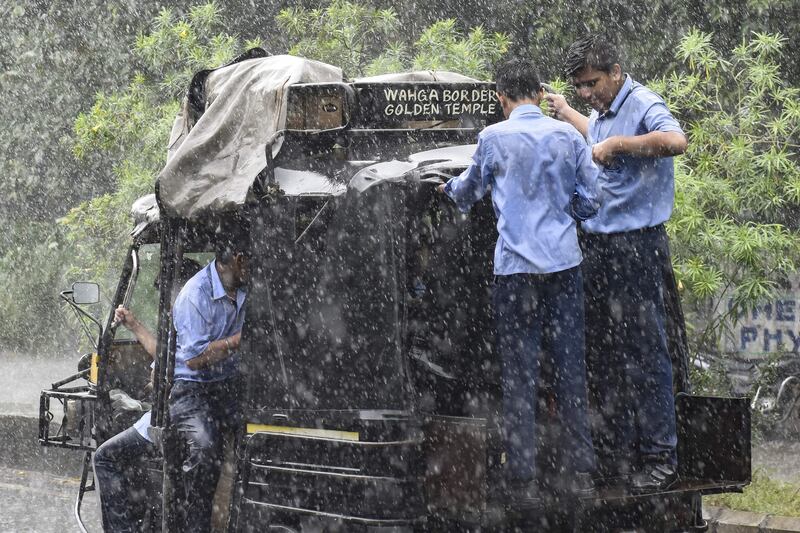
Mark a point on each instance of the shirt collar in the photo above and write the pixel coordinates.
(623, 93)
(525, 109)
(218, 290)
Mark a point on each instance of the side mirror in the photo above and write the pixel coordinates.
(85, 362)
(85, 292)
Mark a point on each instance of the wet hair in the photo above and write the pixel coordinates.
(232, 237)
(225, 251)
(592, 51)
(517, 79)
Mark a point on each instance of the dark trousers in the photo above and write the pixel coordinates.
(120, 475)
(629, 367)
(540, 325)
(202, 413)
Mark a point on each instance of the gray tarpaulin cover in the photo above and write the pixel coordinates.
(212, 166)
(420, 76)
(144, 212)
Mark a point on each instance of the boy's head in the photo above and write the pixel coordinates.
(593, 67)
(517, 82)
(232, 251)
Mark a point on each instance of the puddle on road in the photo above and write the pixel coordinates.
(39, 502)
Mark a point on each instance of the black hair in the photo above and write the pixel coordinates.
(226, 249)
(592, 51)
(232, 237)
(517, 79)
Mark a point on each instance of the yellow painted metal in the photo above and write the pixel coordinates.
(93, 371)
(305, 432)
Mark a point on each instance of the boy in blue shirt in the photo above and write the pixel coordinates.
(204, 400)
(633, 137)
(120, 462)
(542, 178)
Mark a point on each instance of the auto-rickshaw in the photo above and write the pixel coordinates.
(372, 396)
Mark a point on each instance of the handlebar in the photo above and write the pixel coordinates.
(126, 300)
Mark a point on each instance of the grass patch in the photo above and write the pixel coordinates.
(763, 495)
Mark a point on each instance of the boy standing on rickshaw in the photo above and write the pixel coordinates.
(633, 137)
(541, 177)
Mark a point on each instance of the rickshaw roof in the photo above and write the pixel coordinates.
(213, 162)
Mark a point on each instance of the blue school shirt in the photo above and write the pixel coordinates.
(542, 177)
(639, 191)
(203, 313)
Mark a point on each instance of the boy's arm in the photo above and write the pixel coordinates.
(472, 184)
(561, 110)
(202, 349)
(215, 352)
(586, 199)
(665, 138)
(126, 317)
(653, 144)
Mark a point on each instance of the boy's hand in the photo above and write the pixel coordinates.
(124, 316)
(557, 105)
(604, 152)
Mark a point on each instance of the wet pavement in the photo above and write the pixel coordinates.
(42, 503)
(38, 486)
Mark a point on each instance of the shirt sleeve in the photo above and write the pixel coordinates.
(193, 331)
(473, 183)
(587, 196)
(590, 128)
(658, 118)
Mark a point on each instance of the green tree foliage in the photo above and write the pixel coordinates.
(56, 56)
(346, 34)
(30, 273)
(53, 57)
(648, 30)
(734, 229)
(364, 40)
(442, 47)
(130, 127)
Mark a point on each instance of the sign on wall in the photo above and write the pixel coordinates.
(771, 327)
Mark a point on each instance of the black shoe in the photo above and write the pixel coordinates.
(524, 495)
(582, 485)
(654, 477)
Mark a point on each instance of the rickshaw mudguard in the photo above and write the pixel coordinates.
(714, 441)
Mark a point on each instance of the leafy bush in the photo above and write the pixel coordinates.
(31, 268)
(362, 40)
(346, 34)
(131, 128)
(734, 228)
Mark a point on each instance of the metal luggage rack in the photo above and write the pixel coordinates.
(77, 417)
(75, 429)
